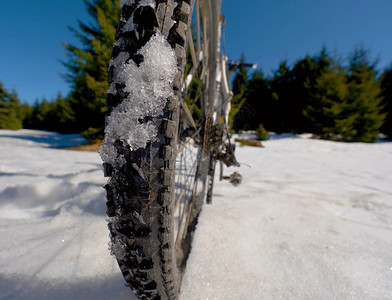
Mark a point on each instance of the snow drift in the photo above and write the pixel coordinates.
(312, 220)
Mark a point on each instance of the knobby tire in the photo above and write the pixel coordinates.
(140, 194)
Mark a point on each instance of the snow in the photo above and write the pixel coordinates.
(140, 3)
(53, 234)
(149, 86)
(311, 220)
(126, 2)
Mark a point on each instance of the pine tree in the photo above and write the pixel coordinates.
(55, 115)
(241, 77)
(281, 85)
(37, 118)
(24, 112)
(258, 105)
(328, 113)
(364, 98)
(386, 87)
(9, 110)
(239, 86)
(88, 66)
(345, 104)
(292, 89)
(58, 116)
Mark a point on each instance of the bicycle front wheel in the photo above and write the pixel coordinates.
(156, 150)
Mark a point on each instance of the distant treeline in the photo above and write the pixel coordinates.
(317, 94)
(347, 101)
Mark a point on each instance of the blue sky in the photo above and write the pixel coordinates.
(267, 32)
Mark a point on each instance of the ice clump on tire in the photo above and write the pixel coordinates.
(126, 2)
(117, 248)
(147, 3)
(149, 86)
(141, 3)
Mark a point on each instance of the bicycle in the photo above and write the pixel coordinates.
(169, 100)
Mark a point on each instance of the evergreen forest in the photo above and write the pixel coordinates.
(344, 100)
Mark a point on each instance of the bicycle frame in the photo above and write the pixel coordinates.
(208, 27)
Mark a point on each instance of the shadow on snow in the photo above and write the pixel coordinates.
(47, 138)
(29, 287)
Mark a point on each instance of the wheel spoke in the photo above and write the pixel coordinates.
(198, 27)
(183, 146)
(178, 200)
(189, 216)
(180, 222)
(194, 120)
(188, 113)
(192, 48)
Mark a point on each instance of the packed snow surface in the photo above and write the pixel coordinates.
(311, 220)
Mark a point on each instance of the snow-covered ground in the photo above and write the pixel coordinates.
(312, 220)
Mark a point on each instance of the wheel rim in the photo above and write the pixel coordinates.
(192, 158)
